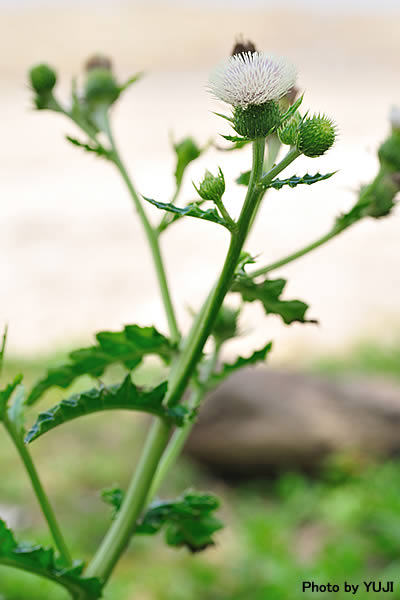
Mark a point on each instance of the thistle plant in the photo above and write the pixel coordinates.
(260, 89)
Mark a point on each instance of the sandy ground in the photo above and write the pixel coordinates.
(72, 255)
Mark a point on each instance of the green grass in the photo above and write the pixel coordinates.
(343, 526)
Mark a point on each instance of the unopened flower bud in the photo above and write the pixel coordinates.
(98, 61)
(389, 152)
(382, 193)
(212, 187)
(226, 326)
(256, 120)
(315, 136)
(288, 132)
(43, 79)
(101, 87)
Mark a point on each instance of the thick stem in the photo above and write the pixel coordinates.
(181, 434)
(123, 526)
(192, 351)
(41, 496)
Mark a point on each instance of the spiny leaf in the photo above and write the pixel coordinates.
(188, 520)
(236, 139)
(223, 116)
(228, 368)
(173, 217)
(6, 394)
(114, 497)
(121, 396)
(130, 81)
(268, 293)
(295, 180)
(43, 562)
(291, 110)
(191, 210)
(128, 347)
(96, 149)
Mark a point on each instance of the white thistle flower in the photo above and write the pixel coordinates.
(252, 78)
(394, 117)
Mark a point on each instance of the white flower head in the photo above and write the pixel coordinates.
(252, 78)
(394, 117)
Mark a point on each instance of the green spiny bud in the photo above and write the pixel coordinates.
(382, 192)
(389, 152)
(288, 132)
(212, 187)
(315, 136)
(256, 120)
(43, 78)
(101, 87)
(226, 324)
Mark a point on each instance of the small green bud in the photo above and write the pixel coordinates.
(226, 324)
(389, 152)
(315, 136)
(212, 188)
(256, 120)
(382, 193)
(288, 132)
(43, 78)
(101, 87)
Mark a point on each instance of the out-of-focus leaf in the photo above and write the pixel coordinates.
(128, 347)
(188, 520)
(43, 562)
(97, 148)
(114, 497)
(228, 368)
(130, 81)
(16, 412)
(244, 178)
(122, 396)
(186, 151)
(268, 293)
(6, 394)
(191, 210)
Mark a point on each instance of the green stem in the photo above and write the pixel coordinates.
(298, 254)
(181, 434)
(122, 528)
(152, 240)
(44, 503)
(192, 351)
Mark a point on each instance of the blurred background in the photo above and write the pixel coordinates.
(73, 261)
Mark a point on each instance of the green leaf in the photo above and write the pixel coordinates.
(191, 210)
(130, 81)
(121, 396)
(237, 139)
(90, 147)
(16, 412)
(128, 347)
(173, 217)
(114, 497)
(3, 347)
(6, 394)
(228, 368)
(244, 178)
(186, 151)
(187, 521)
(43, 562)
(291, 110)
(268, 293)
(295, 180)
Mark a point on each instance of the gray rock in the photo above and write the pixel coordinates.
(262, 420)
